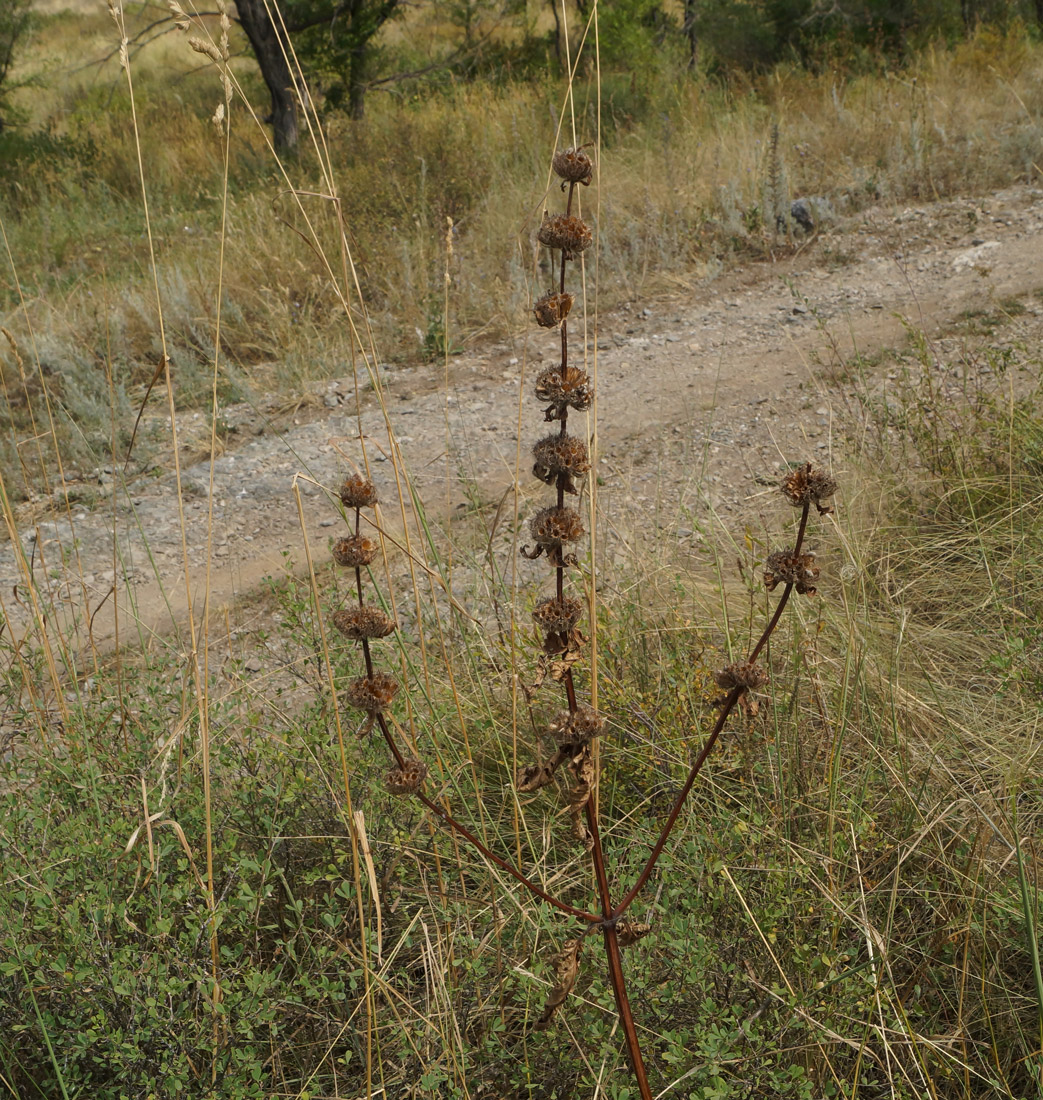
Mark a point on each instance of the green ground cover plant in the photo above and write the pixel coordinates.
(207, 886)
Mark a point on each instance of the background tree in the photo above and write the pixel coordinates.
(334, 40)
(15, 16)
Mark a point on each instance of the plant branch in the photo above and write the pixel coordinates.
(729, 704)
(466, 833)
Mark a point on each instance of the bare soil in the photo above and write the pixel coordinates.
(703, 396)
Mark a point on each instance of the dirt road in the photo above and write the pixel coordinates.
(739, 374)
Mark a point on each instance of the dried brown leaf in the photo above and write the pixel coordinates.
(630, 931)
(566, 970)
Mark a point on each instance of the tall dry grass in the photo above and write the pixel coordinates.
(204, 889)
(688, 159)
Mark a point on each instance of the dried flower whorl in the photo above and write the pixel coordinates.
(745, 674)
(372, 693)
(407, 778)
(551, 525)
(573, 166)
(358, 492)
(354, 551)
(575, 728)
(786, 567)
(552, 308)
(569, 390)
(558, 616)
(560, 455)
(808, 484)
(565, 231)
(363, 622)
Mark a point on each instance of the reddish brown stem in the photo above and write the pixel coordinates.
(583, 915)
(399, 758)
(733, 697)
(626, 1017)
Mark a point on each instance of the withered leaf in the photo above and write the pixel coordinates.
(582, 767)
(536, 776)
(533, 777)
(566, 970)
(630, 931)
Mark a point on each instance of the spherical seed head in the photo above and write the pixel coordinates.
(569, 390)
(562, 454)
(372, 693)
(553, 526)
(406, 779)
(552, 308)
(745, 674)
(557, 616)
(565, 231)
(354, 551)
(573, 166)
(358, 492)
(576, 727)
(357, 623)
(808, 484)
(786, 567)
(557, 455)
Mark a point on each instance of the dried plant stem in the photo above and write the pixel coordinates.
(733, 697)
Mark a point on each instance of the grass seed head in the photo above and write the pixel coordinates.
(363, 622)
(786, 567)
(406, 779)
(573, 166)
(354, 551)
(745, 674)
(808, 484)
(565, 231)
(358, 492)
(372, 693)
(552, 308)
(558, 616)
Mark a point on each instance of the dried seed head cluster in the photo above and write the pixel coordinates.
(558, 616)
(562, 456)
(550, 529)
(568, 389)
(746, 674)
(556, 525)
(808, 484)
(573, 166)
(354, 551)
(559, 459)
(567, 232)
(786, 567)
(407, 778)
(552, 309)
(572, 729)
(358, 492)
(361, 622)
(372, 694)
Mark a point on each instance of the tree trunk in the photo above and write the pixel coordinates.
(266, 40)
(691, 15)
(557, 32)
(357, 83)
